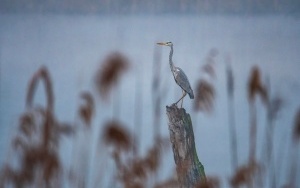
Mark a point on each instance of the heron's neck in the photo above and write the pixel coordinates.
(170, 60)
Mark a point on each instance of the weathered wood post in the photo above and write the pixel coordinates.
(190, 171)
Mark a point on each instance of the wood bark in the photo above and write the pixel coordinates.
(190, 171)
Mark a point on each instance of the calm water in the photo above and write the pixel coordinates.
(72, 48)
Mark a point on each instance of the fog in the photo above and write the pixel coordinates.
(73, 47)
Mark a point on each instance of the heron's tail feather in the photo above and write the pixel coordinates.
(191, 94)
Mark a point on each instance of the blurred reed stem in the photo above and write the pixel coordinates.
(231, 117)
(252, 132)
(156, 93)
(138, 118)
(117, 102)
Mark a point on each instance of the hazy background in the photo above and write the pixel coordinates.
(72, 38)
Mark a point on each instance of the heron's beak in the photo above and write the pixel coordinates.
(162, 43)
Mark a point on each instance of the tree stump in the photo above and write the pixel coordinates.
(190, 171)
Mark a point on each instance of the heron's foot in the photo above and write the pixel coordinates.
(176, 104)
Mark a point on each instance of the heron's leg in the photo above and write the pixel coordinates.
(184, 93)
(181, 98)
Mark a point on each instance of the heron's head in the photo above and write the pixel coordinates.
(165, 43)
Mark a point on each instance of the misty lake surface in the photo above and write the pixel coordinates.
(73, 47)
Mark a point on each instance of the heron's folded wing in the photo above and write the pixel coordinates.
(182, 80)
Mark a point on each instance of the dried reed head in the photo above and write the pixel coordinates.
(255, 86)
(19, 143)
(41, 74)
(205, 95)
(110, 72)
(134, 171)
(86, 110)
(133, 175)
(51, 166)
(211, 182)
(37, 141)
(152, 159)
(116, 135)
(138, 169)
(34, 160)
(35, 157)
(296, 132)
(27, 124)
(244, 175)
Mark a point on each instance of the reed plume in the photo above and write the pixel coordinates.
(86, 110)
(205, 91)
(115, 135)
(37, 141)
(205, 95)
(244, 175)
(113, 66)
(211, 182)
(41, 74)
(255, 87)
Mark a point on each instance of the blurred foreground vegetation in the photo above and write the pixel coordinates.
(36, 160)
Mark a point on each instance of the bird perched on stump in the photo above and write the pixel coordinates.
(179, 76)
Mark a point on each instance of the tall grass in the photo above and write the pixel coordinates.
(37, 142)
(36, 145)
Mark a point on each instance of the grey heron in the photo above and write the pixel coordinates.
(179, 76)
